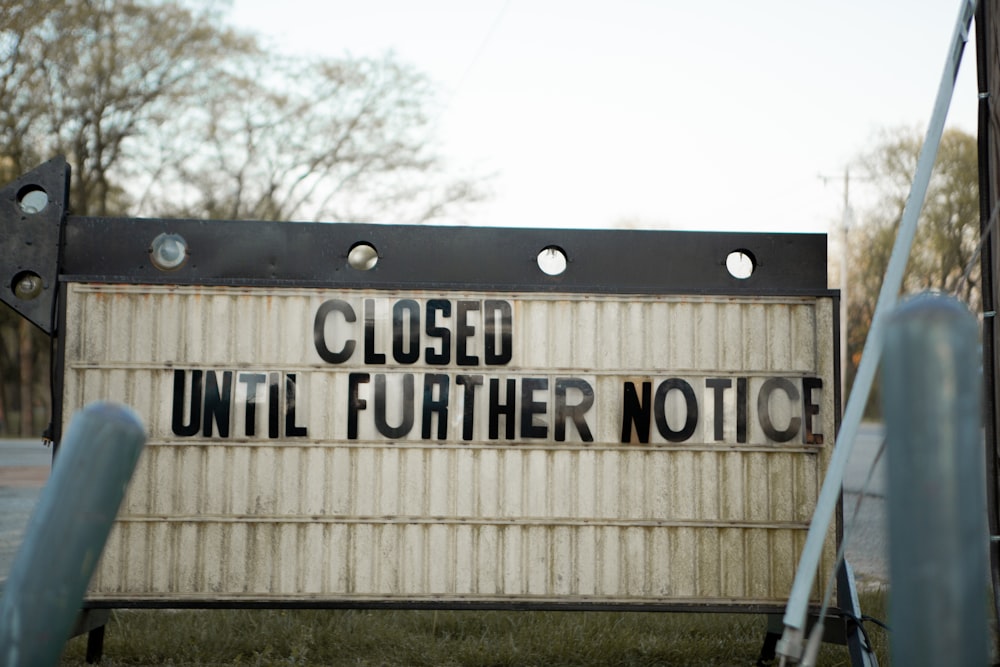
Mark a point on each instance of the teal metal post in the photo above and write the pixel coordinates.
(938, 541)
(66, 533)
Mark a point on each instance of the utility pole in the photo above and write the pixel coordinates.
(844, 225)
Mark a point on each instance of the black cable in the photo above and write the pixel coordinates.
(865, 617)
(860, 624)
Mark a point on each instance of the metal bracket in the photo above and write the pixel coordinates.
(857, 641)
(32, 211)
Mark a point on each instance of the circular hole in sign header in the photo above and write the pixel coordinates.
(27, 285)
(32, 199)
(362, 256)
(168, 252)
(552, 260)
(741, 264)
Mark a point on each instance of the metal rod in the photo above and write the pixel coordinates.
(791, 644)
(66, 533)
(938, 538)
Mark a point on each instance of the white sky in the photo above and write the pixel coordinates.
(697, 115)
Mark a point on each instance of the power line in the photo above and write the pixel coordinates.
(481, 48)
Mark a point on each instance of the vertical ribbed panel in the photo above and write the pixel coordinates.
(325, 517)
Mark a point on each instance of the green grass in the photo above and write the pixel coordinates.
(418, 638)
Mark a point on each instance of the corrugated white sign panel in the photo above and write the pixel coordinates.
(352, 446)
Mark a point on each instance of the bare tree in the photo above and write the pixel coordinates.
(164, 110)
(86, 79)
(342, 139)
(89, 78)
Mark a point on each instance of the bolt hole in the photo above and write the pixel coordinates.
(27, 285)
(741, 264)
(362, 256)
(552, 260)
(32, 199)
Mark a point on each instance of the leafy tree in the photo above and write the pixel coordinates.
(164, 110)
(944, 254)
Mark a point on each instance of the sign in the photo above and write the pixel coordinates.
(366, 415)
(472, 447)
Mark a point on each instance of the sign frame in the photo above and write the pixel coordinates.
(249, 255)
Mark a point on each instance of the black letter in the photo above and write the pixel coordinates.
(470, 382)
(574, 412)
(354, 402)
(764, 409)
(635, 413)
(371, 356)
(531, 407)
(217, 404)
(809, 409)
(440, 406)
(741, 409)
(380, 404)
(399, 309)
(443, 357)
(319, 327)
(659, 412)
(719, 385)
(496, 409)
(463, 331)
(251, 380)
(178, 425)
(273, 394)
(503, 355)
(291, 429)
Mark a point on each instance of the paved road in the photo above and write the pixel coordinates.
(866, 528)
(24, 466)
